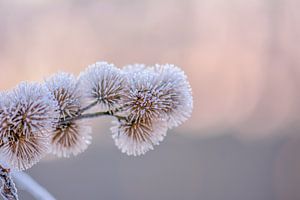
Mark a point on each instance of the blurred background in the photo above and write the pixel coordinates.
(243, 62)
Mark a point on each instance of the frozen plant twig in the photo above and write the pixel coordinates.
(92, 115)
(8, 189)
(88, 107)
(25, 182)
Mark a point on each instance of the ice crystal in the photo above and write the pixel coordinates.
(70, 137)
(138, 137)
(27, 117)
(103, 83)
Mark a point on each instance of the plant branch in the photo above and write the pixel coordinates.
(88, 107)
(92, 115)
(25, 182)
(8, 189)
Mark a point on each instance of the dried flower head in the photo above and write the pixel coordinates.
(141, 100)
(103, 83)
(138, 137)
(175, 94)
(160, 92)
(28, 115)
(21, 152)
(71, 137)
(64, 88)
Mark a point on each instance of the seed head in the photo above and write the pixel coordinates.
(70, 137)
(175, 94)
(138, 137)
(103, 83)
(27, 117)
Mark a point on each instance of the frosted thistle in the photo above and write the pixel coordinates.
(70, 137)
(28, 114)
(102, 84)
(141, 100)
(175, 94)
(159, 92)
(138, 137)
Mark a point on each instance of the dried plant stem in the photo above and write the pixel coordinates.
(8, 189)
(25, 182)
(92, 115)
(88, 107)
(98, 114)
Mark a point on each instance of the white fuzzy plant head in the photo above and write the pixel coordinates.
(28, 114)
(103, 83)
(72, 137)
(39, 118)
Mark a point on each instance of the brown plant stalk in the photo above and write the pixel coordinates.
(8, 189)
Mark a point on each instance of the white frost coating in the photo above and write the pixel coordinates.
(27, 118)
(73, 137)
(139, 137)
(103, 83)
(176, 93)
(135, 68)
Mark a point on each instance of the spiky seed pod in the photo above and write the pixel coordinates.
(155, 92)
(72, 137)
(28, 115)
(103, 83)
(64, 88)
(21, 152)
(138, 137)
(141, 101)
(175, 93)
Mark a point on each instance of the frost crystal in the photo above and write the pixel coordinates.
(27, 118)
(103, 83)
(138, 137)
(70, 137)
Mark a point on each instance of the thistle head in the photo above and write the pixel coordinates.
(103, 83)
(175, 94)
(138, 137)
(28, 115)
(71, 137)
(141, 100)
(160, 92)
(64, 88)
